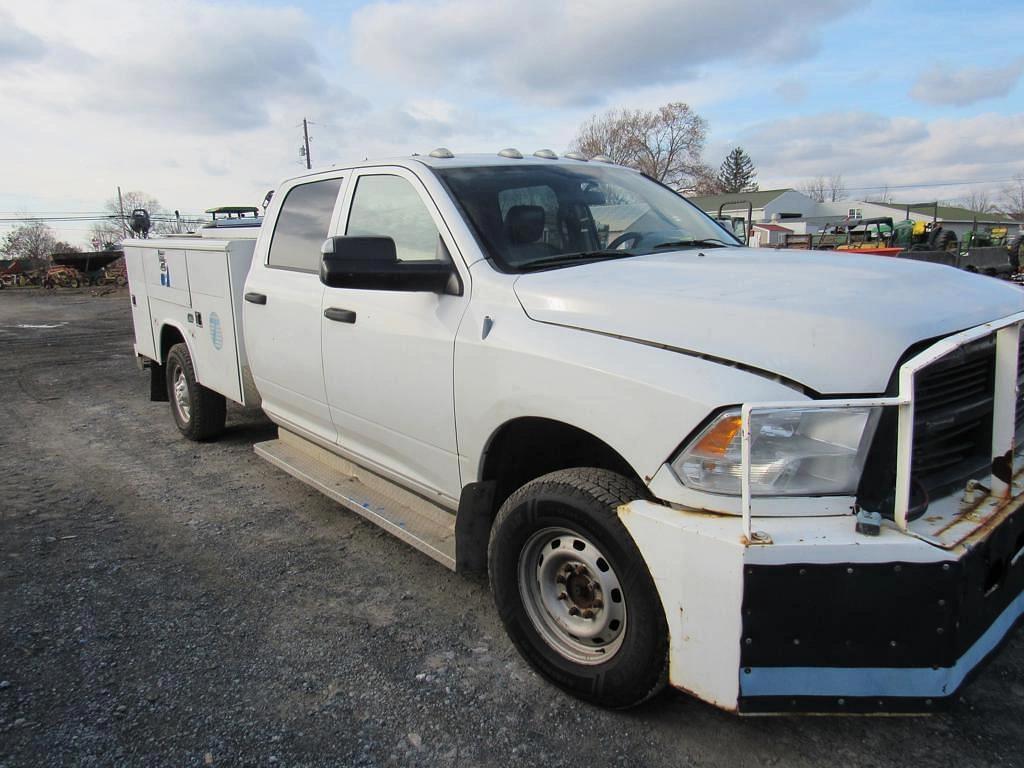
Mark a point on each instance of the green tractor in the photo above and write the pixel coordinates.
(923, 236)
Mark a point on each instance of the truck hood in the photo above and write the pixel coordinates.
(833, 322)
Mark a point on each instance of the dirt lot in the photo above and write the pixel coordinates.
(164, 603)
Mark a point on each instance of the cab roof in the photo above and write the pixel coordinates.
(470, 160)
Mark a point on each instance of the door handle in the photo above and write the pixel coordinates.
(340, 315)
(256, 298)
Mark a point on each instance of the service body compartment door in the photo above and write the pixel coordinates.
(141, 318)
(211, 322)
(167, 275)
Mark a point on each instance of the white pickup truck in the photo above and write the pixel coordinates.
(780, 481)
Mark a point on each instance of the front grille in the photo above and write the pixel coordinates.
(953, 415)
(952, 426)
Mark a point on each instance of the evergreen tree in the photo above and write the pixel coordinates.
(737, 173)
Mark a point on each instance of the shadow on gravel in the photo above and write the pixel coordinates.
(261, 428)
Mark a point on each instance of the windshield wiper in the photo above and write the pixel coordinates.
(570, 258)
(710, 242)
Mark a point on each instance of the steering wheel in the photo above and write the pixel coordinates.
(625, 237)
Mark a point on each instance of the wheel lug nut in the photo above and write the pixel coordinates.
(574, 611)
(560, 579)
(587, 614)
(569, 568)
(599, 603)
(562, 596)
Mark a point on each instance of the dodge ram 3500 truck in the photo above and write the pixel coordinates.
(780, 481)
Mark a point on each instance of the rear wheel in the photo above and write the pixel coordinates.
(199, 412)
(574, 592)
(946, 240)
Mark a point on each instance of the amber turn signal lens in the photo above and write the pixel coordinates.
(717, 441)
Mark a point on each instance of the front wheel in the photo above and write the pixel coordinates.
(573, 591)
(199, 412)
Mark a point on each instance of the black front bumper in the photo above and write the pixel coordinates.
(878, 637)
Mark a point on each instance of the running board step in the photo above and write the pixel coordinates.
(429, 528)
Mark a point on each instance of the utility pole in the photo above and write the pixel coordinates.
(305, 139)
(120, 204)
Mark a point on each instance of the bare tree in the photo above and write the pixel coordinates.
(665, 143)
(978, 200)
(882, 196)
(836, 188)
(705, 181)
(29, 241)
(1011, 201)
(816, 188)
(113, 230)
(822, 189)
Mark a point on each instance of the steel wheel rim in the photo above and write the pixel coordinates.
(181, 399)
(572, 595)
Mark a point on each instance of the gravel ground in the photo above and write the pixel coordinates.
(165, 603)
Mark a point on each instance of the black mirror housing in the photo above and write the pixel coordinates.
(371, 263)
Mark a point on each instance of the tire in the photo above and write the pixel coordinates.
(199, 412)
(1016, 249)
(546, 531)
(946, 240)
(49, 284)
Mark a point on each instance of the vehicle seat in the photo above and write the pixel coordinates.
(524, 227)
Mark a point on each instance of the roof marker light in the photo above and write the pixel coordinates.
(577, 156)
(442, 153)
(510, 152)
(547, 154)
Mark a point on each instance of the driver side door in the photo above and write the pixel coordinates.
(389, 355)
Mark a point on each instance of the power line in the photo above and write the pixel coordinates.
(930, 184)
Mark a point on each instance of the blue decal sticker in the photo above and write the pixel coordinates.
(165, 272)
(216, 333)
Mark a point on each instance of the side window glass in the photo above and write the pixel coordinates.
(302, 225)
(390, 206)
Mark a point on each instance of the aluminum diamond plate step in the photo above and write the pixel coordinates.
(411, 518)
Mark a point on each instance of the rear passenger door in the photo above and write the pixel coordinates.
(389, 369)
(282, 308)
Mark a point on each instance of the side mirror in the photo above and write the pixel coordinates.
(371, 263)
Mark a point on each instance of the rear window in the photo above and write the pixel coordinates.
(302, 225)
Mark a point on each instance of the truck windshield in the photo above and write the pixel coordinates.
(531, 217)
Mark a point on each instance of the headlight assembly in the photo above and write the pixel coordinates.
(793, 452)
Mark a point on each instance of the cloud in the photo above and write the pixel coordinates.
(573, 52)
(791, 91)
(873, 149)
(17, 44)
(959, 88)
(190, 65)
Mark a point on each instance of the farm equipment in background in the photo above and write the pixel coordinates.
(874, 236)
(94, 267)
(982, 250)
(882, 236)
(986, 251)
(61, 277)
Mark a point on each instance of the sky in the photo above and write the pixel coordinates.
(200, 103)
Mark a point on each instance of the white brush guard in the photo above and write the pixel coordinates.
(1007, 333)
(749, 648)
